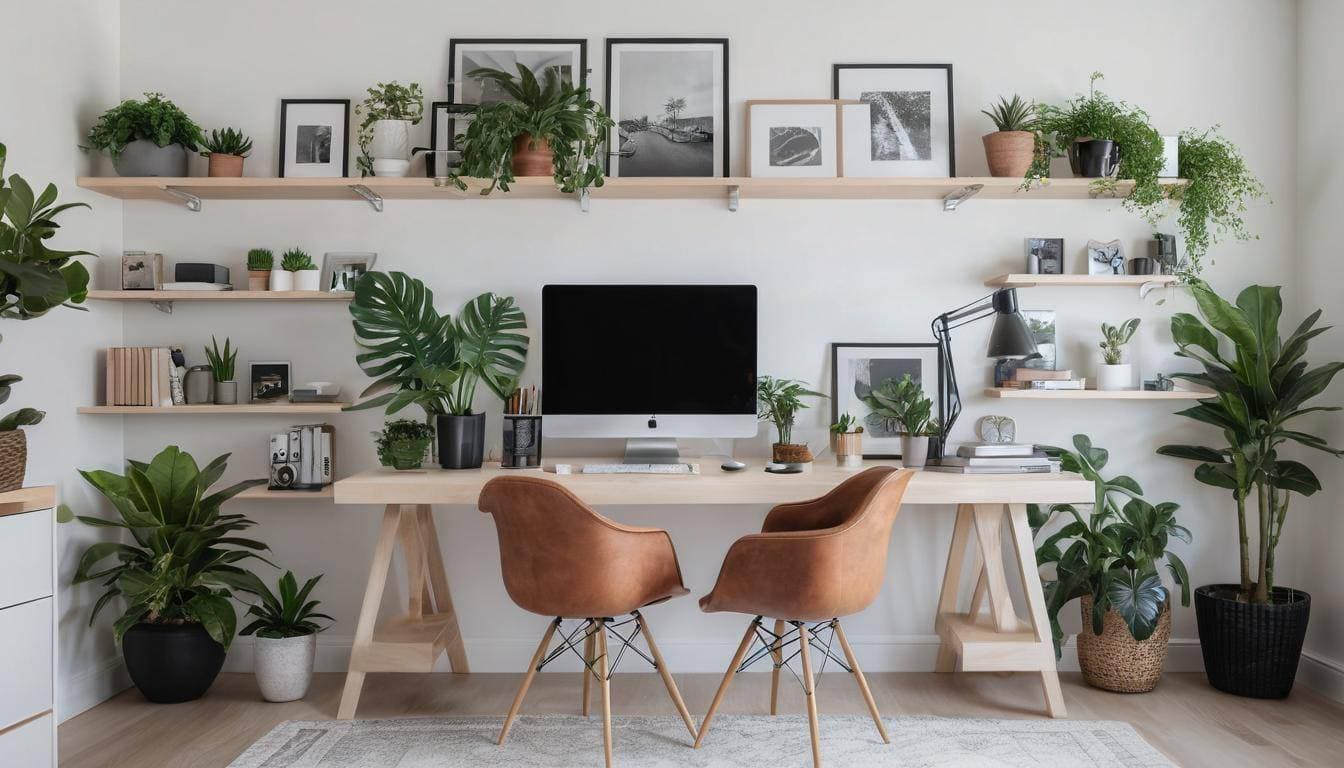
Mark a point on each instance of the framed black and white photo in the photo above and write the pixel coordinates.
(314, 137)
(1046, 255)
(669, 99)
(505, 54)
(270, 381)
(341, 269)
(794, 138)
(447, 121)
(856, 369)
(910, 130)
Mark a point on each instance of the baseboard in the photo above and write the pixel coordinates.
(91, 687)
(1322, 674)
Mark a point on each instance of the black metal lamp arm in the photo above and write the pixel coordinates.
(942, 326)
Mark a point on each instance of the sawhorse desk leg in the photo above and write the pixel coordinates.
(414, 641)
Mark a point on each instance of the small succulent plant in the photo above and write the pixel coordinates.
(296, 260)
(260, 260)
(226, 142)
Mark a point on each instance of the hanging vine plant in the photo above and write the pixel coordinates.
(1218, 186)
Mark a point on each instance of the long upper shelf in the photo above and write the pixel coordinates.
(220, 295)
(1078, 281)
(1094, 394)
(216, 410)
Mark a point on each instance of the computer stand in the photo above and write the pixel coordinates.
(651, 450)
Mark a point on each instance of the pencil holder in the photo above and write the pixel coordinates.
(522, 442)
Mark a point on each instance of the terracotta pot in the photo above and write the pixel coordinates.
(1009, 152)
(225, 165)
(791, 453)
(13, 459)
(258, 280)
(1114, 660)
(532, 161)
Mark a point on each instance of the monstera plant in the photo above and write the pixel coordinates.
(34, 279)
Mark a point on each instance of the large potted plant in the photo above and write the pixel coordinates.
(1251, 633)
(903, 408)
(778, 401)
(545, 128)
(389, 110)
(145, 138)
(13, 441)
(226, 151)
(174, 570)
(1114, 373)
(286, 637)
(1106, 139)
(1109, 560)
(1011, 148)
(34, 279)
(419, 357)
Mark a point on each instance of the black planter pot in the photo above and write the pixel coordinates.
(1097, 158)
(1251, 650)
(461, 440)
(171, 663)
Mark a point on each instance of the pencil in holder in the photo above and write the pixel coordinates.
(522, 442)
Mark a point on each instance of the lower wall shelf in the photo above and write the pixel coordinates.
(1093, 394)
(216, 410)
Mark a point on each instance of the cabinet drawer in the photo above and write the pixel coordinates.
(31, 745)
(25, 661)
(25, 557)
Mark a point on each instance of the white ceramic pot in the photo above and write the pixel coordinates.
(391, 140)
(307, 280)
(914, 451)
(282, 280)
(284, 666)
(1113, 377)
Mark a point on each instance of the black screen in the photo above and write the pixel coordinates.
(648, 349)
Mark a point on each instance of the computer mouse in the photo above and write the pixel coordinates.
(732, 465)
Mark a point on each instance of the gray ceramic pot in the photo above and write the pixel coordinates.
(143, 157)
(284, 666)
(914, 451)
(226, 393)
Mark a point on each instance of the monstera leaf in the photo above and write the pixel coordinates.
(1138, 598)
(400, 333)
(489, 342)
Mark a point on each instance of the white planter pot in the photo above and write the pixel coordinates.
(282, 280)
(307, 280)
(284, 666)
(391, 140)
(1113, 377)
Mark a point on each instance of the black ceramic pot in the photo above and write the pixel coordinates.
(461, 440)
(171, 663)
(1142, 265)
(1097, 158)
(1251, 650)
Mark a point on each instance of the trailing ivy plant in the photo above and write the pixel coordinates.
(1211, 203)
(35, 279)
(156, 119)
(386, 101)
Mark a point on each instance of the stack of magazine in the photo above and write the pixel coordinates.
(995, 459)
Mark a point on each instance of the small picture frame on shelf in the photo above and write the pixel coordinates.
(141, 271)
(856, 368)
(270, 381)
(794, 138)
(1045, 255)
(910, 130)
(340, 270)
(1106, 258)
(314, 138)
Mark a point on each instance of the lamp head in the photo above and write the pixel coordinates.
(1010, 339)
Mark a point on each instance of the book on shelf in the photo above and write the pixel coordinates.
(970, 450)
(1065, 384)
(141, 376)
(1036, 374)
(995, 461)
(1033, 469)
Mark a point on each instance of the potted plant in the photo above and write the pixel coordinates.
(34, 278)
(389, 111)
(145, 138)
(14, 441)
(286, 637)
(1011, 149)
(260, 262)
(419, 357)
(303, 273)
(847, 441)
(778, 401)
(1112, 374)
(1251, 633)
(547, 128)
(226, 150)
(901, 404)
(1211, 202)
(174, 570)
(221, 370)
(403, 444)
(1109, 559)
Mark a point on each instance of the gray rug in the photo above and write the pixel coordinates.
(561, 741)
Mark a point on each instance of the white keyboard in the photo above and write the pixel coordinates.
(641, 469)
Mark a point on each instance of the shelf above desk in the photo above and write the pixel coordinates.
(1093, 394)
(294, 409)
(1078, 281)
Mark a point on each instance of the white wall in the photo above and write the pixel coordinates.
(53, 92)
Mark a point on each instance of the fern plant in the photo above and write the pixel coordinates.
(260, 260)
(226, 142)
(222, 363)
(296, 260)
(1014, 115)
(1114, 338)
(156, 119)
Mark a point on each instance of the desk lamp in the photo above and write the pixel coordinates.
(1010, 339)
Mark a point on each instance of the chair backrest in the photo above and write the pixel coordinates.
(865, 536)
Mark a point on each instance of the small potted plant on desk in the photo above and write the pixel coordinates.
(1011, 149)
(260, 262)
(778, 401)
(1251, 633)
(286, 637)
(1110, 559)
(1112, 374)
(226, 150)
(222, 363)
(903, 408)
(847, 441)
(404, 443)
(145, 138)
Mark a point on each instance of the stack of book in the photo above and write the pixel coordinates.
(996, 459)
(303, 458)
(143, 376)
(1032, 378)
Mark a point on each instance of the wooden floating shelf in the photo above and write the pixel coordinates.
(220, 296)
(215, 410)
(1079, 281)
(262, 493)
(1093, 394)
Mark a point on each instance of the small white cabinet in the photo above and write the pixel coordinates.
(27, 628)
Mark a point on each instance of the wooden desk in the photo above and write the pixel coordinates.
(996, 640)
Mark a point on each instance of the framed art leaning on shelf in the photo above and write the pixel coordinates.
(910, 130)
(858, 368)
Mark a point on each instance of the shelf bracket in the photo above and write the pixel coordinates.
(1149, 287)
(959, 196)
(374, 199)
(166, 307)
(734, 197)
(192, 202)
(583, 199)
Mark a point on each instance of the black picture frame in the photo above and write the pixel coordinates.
(450, 109)
(345, 144)
(836, 346)
(951, 100)
(269, 380)
(453, 43)
(610, 42)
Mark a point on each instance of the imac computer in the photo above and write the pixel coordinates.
(649, 363)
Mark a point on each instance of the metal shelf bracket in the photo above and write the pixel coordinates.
(192, 202)
(166, 307)
(959, 196)
(1149, 287)
(734, 197)
(583, 199)
(372, 198)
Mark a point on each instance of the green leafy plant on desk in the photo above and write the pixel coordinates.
(403, 444)
(778, 401)
(903, 407)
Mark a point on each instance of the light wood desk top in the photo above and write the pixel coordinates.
(27, 499)
(714, 486)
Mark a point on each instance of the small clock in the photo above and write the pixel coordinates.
(996, 429)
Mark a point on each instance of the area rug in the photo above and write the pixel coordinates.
(562, 741)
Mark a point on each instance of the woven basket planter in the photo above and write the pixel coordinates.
(13, 459)
(1114, 660)
(1251, 650)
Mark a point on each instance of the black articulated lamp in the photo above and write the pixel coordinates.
(1010, 339)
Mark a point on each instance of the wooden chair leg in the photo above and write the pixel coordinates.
(778, 654)
(527, 680)
(589, 645)
(862, 681)
(603, 668)
(666, 675)
(809, 692)
(727, 678)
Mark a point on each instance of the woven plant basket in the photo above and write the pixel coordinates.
(13, 459)
(1114, 660)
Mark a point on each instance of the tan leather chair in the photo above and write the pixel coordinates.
(560, 558)
(812, 563)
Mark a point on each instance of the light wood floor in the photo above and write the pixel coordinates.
(1185, 718)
